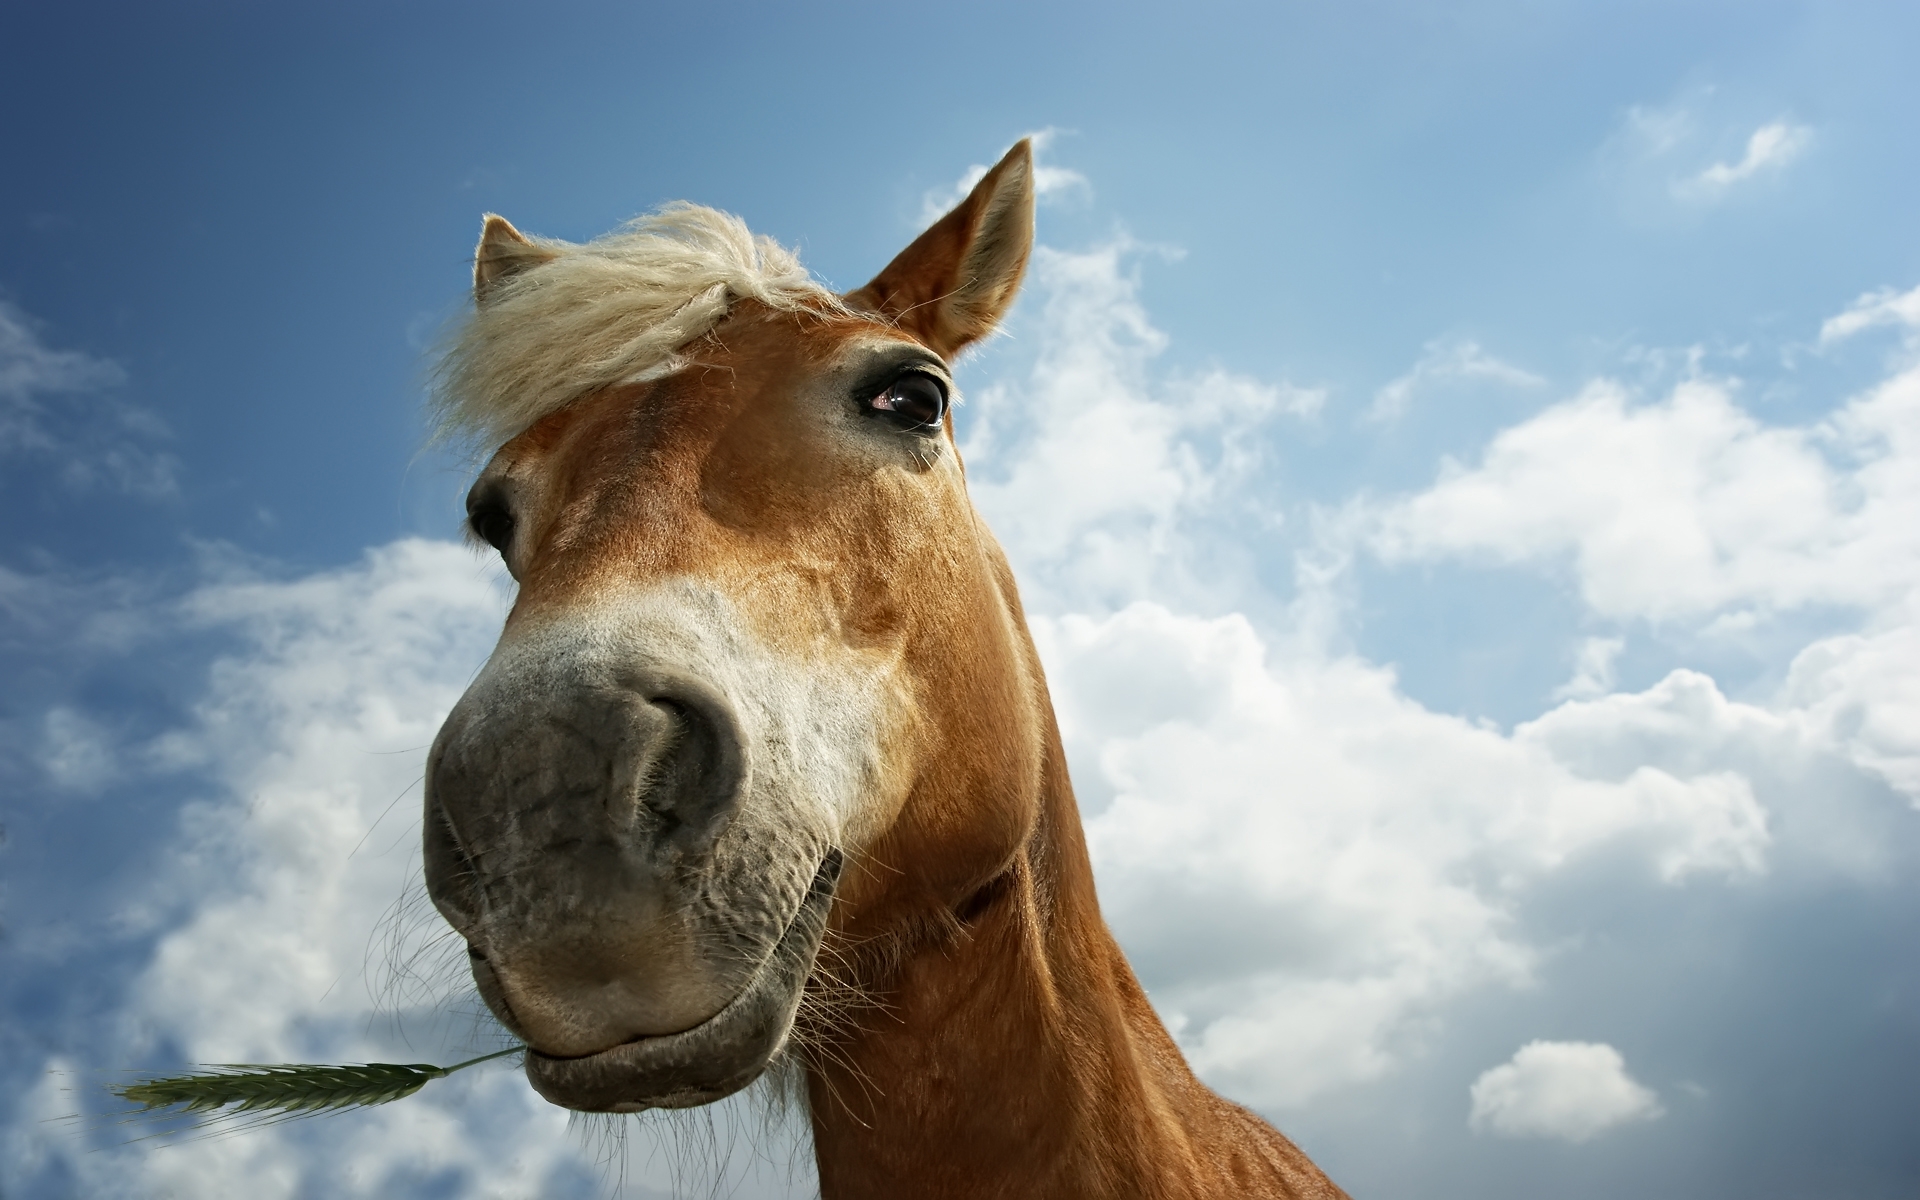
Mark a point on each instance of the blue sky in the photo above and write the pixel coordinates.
(1461, 467)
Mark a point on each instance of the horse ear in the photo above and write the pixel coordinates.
(503, 251)
(955, 282)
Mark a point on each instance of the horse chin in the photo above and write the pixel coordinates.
(715, 1058)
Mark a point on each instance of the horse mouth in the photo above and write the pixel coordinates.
(715, 1058)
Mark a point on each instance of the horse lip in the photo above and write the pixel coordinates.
(715, 1058)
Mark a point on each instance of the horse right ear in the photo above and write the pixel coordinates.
(955, 282)
(503, 252)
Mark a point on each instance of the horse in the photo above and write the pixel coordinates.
(763, 772)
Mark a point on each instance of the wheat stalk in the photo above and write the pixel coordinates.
(291, 1088)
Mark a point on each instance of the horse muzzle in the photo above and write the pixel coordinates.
(713, 1059)
(585, 834)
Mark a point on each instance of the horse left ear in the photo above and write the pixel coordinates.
(955, 282)
(503, 251)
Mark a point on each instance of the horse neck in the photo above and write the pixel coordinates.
(1019, 1056)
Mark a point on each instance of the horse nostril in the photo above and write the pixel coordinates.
(452, 880)
(695, 776)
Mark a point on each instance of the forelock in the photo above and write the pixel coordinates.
(614, 310)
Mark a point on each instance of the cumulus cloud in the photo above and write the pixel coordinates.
(1689, 506)
(317, 737)
(293, 927)
(1691, 511)
(312, 735)
(1446, 361)
(1304, 862)
(1091, 466)
(52, 407)
(1571, 1091)
(1861, 692)
(1307, 864)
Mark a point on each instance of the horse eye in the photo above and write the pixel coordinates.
(492, 525)
(913, 401)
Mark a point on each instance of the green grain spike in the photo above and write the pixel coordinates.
(288, 1087)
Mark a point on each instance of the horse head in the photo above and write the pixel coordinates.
(765, 680)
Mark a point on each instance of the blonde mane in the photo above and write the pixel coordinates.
(614, 310)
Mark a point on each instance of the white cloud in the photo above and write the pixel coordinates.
(1050, 183)
(1660, 154)
(1769, 149)
(1861, 692)
(289, 880)
(96, 441)
(1446, 361)
(42, 610)
(317, 737)
(1592, 669)
(1690, 511)
(28, 367)
(1884, 307)
(1688, 507)
(1572, 1091)
(1089, 467)
(1305, 863)
(1223, 399)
